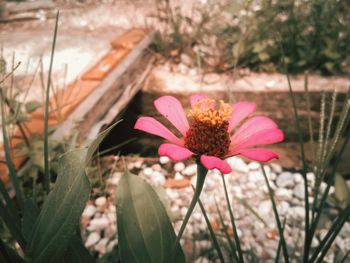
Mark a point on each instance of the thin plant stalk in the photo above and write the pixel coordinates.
(327, 241)
(238, 243)
(278, 221)
(211, 231)
(7, 150)
(201, 174)
(230, 242)
(302, 153)
(308, 108)
(280, 244)
(46, 130)
(326, 192)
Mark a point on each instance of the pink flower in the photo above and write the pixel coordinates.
(215, 132)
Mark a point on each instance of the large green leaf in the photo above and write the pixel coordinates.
(61, 212)
(30, 215)
(77, 252)
(145, 233)
(94, 145)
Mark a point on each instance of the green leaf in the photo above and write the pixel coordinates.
(145, 233)
(77, 252)
(61, 212)
(94, 145)
(341, 191)
(30, 214)
(32, 106)
(160, 191)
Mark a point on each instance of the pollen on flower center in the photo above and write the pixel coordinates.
(208, 133)
(203, 111)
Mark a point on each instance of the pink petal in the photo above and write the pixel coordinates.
(240, 111)
(197, 97)
(172, 109)
(258, 137)
(211, 162)
(260, 155)
(174, 152)
(152, 126)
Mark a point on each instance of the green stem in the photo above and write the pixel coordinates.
(235, 234)
(201, 174)
(278, 221)
(47, 176)
(212, 233)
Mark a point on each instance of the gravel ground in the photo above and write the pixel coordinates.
(249, 196)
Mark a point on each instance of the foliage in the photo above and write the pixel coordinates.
(145, 233)
(314, 34)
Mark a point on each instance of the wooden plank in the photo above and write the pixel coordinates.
(111, 89)
(19, 7)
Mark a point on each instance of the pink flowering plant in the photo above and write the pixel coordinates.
(213, 132)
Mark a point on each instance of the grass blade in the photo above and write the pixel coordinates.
(230, 242)
(238, 244)
(12, 225)
(211, 231)
(47, 101)
(307, 242)
(10, 166)
(280, 244)
(327, 241)
(278, 221)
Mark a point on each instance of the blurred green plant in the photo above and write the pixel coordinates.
(314, 34)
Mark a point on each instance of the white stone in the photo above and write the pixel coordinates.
(147, 171)
(285, 179)
(297, 212)
(101, 246)
(298, 178)
(111, 245)
(345, 231)
(92, 239)
(255, 177)
(283, 194)
(272, 176)
(178, 176)
(276, 167)
(156, 167)
(190, 170)
(183, 211)
(237, 164)
(138, 164)
(283, 207)
(89, 211)
(99, 223)
(253, 166)
(101, 201)
(202, 260)
(164, 160)
(299, 191)
(179, 167)
(310, 178)
(265, 207)
(158, 178)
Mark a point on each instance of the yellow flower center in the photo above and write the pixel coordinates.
(203, 111)
(208, 133)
